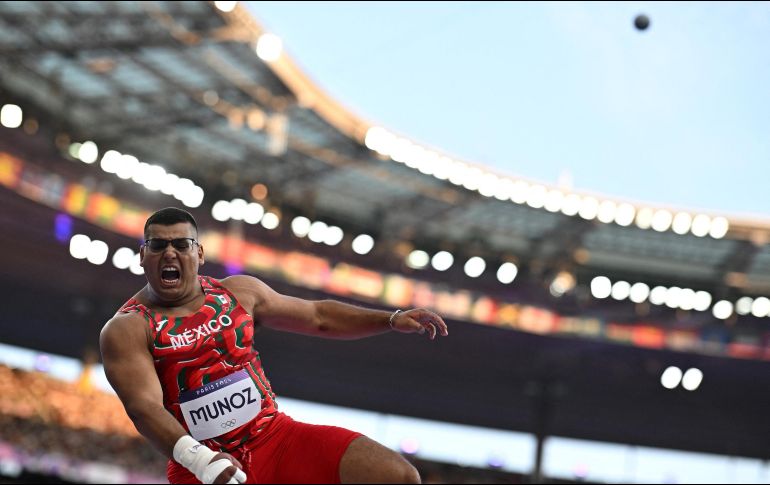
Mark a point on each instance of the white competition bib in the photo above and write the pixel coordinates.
(220, 406)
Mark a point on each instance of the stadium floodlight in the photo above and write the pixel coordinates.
(11, 116)
(221, 210)
(723, 309)
(673, 297)
(554, 200)
(644, 218)
(607, 211)
(475, 266)
(88, 152)
(621, 290)
(489, 184)
(254, 213)
(701, 225)
(334, 236)
(442, 261)
(269, 47)
(719, 227)
(562, 283)
(126, 166)
(362, 244)
(443, 168)
(743, 305)
(503, 189)
(571, 205)
(687, 299)
(662, 219)
(761, 307)
(300, 226)
(519, 192)
(110, 161)
(169, 184)
(589, 208)
(472, 178)
(671, 377)
(658, 295)
(225, 6)
(536, 196)
(703, 301)
(74, 150)
(123, 258)
(317, 232)
(682, 223)
(639, 292)
(417, 259)
(692, 379)
(270, 221)
(601, 287)
(80, 245)
(136, 266)
(457, 172)
(625, 215)
(507, 273)
(98, 252)
(154, 179)
(238, 209)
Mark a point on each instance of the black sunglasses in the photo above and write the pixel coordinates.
(181, 244)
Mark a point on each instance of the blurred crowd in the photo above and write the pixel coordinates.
(41, 416)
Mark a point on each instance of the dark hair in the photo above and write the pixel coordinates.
(170, 216)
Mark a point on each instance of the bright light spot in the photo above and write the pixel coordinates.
(475, 266)
(154, 178)
(723, 309)
(442, 260)
(238, 209)
(719, 227)
(74, 150)
(444, 169)
(488, 186)
(743, 305)
(110, 161)
(661, 221)
(601, 287)
(221, 210)
(417, 259)
(571, 205)
(122, 258)
(254, 213)
(225, 6)
(687, 299)
(169, 184)
(363, 243)
(536, 196)
(98, 252)
(563, 283)
(519, 192)
(126, 166)
(11, 116)
(682, 223)
(621, 290)
(658, 295)
(183, 188)
(375, 138)
(410, 446)
(269, 47)
(589, 208)
(553, 200)
(503, 189)
(671, 377)
(761, 307)
(472, 178)
(507, 273)
(673, 297)
(625, 215)
(644, 218)
(701, 225)
(317, 232)
(607, 211)
(270, 221)
(692, 379)
(136, 266)
(300, 226)
(334, 236)
(80, 245)
(639, 292)
(89, 153)
(702, 301)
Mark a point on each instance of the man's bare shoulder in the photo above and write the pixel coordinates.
(123, 324)
(241, 282)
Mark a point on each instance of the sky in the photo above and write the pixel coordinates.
(569, 93)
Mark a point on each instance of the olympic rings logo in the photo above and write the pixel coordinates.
(228, 424)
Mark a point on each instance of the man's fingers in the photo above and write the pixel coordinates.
(240, 476)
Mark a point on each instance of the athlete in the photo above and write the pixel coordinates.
(179, 354)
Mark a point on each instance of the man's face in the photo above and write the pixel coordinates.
(172, 272)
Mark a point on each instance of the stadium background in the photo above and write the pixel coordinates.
(567, 310)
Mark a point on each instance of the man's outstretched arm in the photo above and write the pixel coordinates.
(329, 318)
(129, 368)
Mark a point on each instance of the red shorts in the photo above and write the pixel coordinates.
(288, 452)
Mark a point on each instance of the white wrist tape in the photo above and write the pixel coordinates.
(194, 456)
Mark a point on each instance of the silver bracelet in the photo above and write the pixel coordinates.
(390, 320)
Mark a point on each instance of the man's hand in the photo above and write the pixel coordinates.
(418, 321)
(232, 471)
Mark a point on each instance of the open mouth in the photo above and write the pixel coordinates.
(169, 276)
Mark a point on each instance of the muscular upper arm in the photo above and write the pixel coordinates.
(128, 363)
(272, 309)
